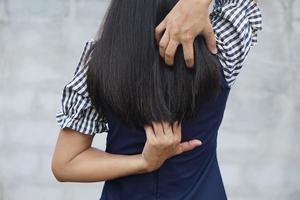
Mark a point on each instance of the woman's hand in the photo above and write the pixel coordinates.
(185, 21)
(164, 142)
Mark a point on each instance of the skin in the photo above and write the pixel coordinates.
(188, 19)
(75, 160)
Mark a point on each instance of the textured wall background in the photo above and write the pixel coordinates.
(40, 45)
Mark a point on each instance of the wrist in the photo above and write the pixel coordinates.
(143, 165)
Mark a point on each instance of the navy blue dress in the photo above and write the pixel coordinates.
(192, 175)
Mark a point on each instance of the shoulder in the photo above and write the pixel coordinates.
(85, 55)
(236, 24)
(77, 111)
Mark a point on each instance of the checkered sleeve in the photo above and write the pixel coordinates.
(77, 111)
(236, 24)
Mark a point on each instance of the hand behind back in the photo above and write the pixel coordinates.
(164, 142)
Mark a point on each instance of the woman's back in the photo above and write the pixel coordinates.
(191, 175)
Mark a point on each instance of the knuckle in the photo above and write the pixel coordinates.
(189, 60)
(175, 35)
(187, 38)
(174, 32)
(168, 54)
(157, 30)
(161, 45)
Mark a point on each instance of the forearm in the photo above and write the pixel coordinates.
(94, 165)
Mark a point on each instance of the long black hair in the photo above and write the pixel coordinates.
(127, 76)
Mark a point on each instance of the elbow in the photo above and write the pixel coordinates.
(58, 171)
(58, 176)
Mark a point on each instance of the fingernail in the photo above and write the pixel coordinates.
(215, 51)
(198, 142)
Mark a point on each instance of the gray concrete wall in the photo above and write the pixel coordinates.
(40, 44)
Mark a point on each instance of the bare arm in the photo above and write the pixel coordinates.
(74, 160)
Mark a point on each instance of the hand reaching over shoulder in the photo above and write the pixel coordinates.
(188, 19)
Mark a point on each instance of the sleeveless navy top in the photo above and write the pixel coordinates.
(193, 174)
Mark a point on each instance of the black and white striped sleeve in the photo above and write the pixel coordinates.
(77, 111)
(235, 23)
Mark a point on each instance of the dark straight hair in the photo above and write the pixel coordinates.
(127, 76)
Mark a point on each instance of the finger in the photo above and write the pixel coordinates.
(167, 128)
(162, 128)
(177, 130)
(210, 39)
(149, 132)
(159, 29)
(151, 125)
(188, 52)
(164, 43)
(158, 129)
(188, 145)
(170, 51)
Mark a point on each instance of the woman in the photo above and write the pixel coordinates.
(155, 116)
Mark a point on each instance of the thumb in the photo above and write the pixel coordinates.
(188, 145)
(210, 39)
